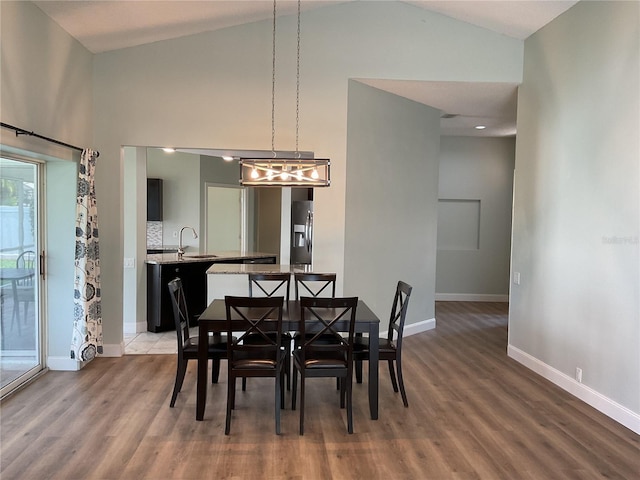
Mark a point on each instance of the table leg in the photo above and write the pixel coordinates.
(374, 355)
(201, 395)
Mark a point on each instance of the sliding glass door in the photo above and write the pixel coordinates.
(20, 284)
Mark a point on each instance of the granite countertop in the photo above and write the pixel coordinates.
(235, 269)
(167, 258)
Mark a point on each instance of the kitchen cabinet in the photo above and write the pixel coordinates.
(193, 274)
(154, 199)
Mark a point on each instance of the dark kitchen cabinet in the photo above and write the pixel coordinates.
(154, 199)
(194, 282)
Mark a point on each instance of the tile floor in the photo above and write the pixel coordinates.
(152, 343)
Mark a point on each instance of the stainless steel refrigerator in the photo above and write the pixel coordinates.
(301, 232)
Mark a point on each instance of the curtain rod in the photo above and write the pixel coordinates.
(22, 131)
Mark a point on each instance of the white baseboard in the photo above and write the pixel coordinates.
(470, 297)
(70, 365)
(133, 328)
(66, 364)
(611, 409)
(113, 350)
(419, 327)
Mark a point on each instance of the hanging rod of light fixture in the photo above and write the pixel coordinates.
(291, 169)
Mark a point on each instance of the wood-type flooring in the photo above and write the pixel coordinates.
(473, 414)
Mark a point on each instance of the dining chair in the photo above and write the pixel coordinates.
(187, 344)
(261, 316)
(25, 289)
(314, 357)
(390, 348)
(315, 285)
(270, 285)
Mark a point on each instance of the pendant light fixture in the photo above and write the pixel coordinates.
(285, 169)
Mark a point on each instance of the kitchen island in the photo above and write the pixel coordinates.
(226, 279)
(191, 268)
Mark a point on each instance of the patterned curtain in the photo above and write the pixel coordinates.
(87, 314)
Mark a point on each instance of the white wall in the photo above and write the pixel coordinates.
(391, 201)
(576, 212)
(180, 174)
(475, 172)
(46, 86)
(214, 90)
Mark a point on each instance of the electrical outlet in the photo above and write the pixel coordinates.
(129, 263)
(516, 278)
(578, 375)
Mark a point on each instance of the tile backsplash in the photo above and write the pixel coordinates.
(154, 234)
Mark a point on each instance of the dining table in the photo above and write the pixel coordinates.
(14, 275)
(214, 320)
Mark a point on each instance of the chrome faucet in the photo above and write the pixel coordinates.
(180, 247)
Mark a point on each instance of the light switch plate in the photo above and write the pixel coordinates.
(129, 263)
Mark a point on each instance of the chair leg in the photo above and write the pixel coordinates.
(180, 371)
(342, 383)
(401, 382)
(231, 386)
(358, 367)
(349, 389)
(302, 403)
(295, 388)
(244, 384)
(215, 370)
(392, 373)
(287, 366)
(278, 403)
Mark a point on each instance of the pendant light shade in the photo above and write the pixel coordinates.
(297, 169)
(285, 172)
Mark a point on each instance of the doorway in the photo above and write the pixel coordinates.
(224, 218)
(20, 247)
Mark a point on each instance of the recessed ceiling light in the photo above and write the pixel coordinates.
(168, 150)
(480, 127)
(227, 158)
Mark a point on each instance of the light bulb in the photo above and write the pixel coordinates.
(284, 175)
(299, 174)
(254, 173)
(315, 174)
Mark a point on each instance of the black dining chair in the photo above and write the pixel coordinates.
(270, 285)
(315, 285)
(25, 289)
(390, 347)
(187, 344)
(314, 357)
(261, 316)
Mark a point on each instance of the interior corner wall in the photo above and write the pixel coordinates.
(217, 94)
(391, 200)
(476, 170)
(180, 174)
(576, 207)
(46, 86)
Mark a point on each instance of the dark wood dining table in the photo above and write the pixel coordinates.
(214, 319)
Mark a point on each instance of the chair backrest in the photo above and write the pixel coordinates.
(399, 312)
(26, 259)
(180, 312)
(322, 317)
(269, 285)
(315, 285)
(255, 317)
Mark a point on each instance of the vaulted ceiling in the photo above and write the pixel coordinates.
(110, 25)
